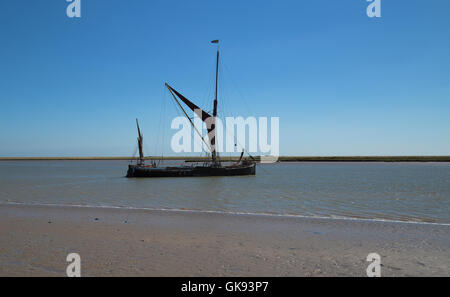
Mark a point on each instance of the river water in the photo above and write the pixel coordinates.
(387, 191)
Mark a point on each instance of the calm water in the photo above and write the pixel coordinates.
(395, 191)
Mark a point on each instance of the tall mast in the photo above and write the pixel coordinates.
(213, 126)
(217, 82)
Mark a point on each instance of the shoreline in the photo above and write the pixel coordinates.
(231, 213)
(132, 242)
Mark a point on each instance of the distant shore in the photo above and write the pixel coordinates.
(231, 159)
(36, 240)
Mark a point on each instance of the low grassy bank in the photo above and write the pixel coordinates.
(280, 159)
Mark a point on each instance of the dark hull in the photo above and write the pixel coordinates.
(139, 171)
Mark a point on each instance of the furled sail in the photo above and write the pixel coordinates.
(140, 144)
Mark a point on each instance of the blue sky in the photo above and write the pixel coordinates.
(341, 83)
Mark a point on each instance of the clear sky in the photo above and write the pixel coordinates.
(341, 83)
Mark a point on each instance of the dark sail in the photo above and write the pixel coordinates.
(201, 114)
(140, 144)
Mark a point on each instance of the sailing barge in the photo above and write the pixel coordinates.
(212, 168)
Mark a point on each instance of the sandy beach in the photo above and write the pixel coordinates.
(35, 241)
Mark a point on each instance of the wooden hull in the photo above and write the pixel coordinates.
(197, 171)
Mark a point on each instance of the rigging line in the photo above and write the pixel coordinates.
(159, 145)
(173, 95)
(134, 153)
(195, 139)
(223, 101)
(209, 91)
(224, 66)
(160, 138)
(159, 135)
(243, 148)
(241, 94)
(162, 126)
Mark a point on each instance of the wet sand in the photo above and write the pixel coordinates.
(35, 240)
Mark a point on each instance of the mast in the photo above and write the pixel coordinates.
(140, 141)
(213, 126)
(201, 113)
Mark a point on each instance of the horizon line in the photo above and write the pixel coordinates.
(287, 158)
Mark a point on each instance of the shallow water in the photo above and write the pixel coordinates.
(392, 191)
